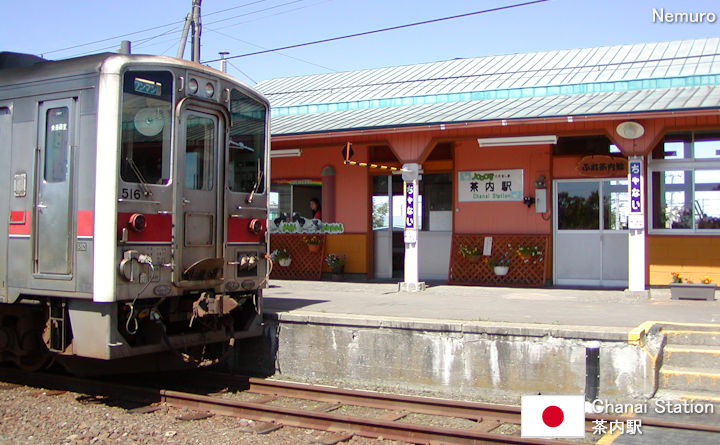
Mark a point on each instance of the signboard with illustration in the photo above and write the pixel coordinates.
(304, 225)
(491, 185)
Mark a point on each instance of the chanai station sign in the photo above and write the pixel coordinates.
(491, 185)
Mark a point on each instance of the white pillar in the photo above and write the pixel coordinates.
(411, 180)
(636, 225)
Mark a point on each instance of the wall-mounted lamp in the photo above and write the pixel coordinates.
(540, 183)
(517, 140)
(289, 153)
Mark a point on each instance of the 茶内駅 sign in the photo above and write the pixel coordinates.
(491, 185)
(602, 166)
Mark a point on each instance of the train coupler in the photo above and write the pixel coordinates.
(208, 305)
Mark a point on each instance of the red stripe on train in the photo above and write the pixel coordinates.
(238, 231)
(159, 228)
(85, 223)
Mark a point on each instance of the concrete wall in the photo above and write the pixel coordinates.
(469, 360)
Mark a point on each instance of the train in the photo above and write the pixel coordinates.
(133, 191)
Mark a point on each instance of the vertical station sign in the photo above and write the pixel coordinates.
(636, 218)
(410, 209)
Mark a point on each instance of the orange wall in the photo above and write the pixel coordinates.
(502, 217)
(695, 257)
(352, 245)
(351, 183)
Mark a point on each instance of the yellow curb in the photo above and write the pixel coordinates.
(712, 375)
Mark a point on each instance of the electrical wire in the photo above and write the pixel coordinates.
(376, 31)
(177, 22)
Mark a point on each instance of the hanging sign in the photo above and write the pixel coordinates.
(304, 225)
(491, 185)
(602, 166)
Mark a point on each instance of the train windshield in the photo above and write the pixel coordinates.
(146, 111)
(247, 143)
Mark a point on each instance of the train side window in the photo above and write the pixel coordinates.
(56, 145)
(247, 143)
(145, 127)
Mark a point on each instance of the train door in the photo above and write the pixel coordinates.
(53, 222)
(5, 125)
(198, 188)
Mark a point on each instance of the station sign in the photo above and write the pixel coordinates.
(490, 185)
(602, 166)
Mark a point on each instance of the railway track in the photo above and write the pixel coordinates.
(326, 413)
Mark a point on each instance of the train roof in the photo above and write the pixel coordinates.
(18, 67)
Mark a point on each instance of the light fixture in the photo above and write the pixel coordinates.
(289, 153)
(517, 140)
(193, 86)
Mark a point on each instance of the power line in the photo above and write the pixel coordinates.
(162, 26)
(376, 31)
(282, 54)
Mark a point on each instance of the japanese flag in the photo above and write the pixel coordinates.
(552, 416)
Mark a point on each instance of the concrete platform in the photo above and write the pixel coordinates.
(607, 309)
(470, 343)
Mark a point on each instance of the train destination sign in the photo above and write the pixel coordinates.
(490, 185)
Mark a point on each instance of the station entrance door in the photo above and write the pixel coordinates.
(590, 233)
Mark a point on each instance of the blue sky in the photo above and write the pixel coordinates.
(49, 26)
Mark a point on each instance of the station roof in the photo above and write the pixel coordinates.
(645, 77)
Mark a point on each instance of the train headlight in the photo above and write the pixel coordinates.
(137, 222)
(209, 90)
(255, 227)
(193, 86)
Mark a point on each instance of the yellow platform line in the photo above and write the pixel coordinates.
(712, 375)
(686, 349)
(714, 399)
(688, 331)
(636, 333)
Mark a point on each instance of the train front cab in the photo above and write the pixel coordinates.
(168, 252)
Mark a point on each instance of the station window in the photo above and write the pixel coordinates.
(685, 183)
(145, 127)
(247, 144)
(292, 199)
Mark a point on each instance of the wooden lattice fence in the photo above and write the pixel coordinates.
(305, 265)
(530, 272)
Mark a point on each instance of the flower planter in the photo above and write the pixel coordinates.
(314, 248)
(285, 262)
(501, 270)
(473, 259)
(338, 273)
(692, 291)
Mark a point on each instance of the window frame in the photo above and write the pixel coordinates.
(690, 164)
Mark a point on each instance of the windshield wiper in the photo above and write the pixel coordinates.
(141, 178)
(256, 185)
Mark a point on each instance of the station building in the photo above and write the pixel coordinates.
(585, 167)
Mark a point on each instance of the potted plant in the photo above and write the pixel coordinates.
(336, 263)
(312, 242)
(471, 254)
(683, 288)
(529, 252)
(281, 256)
(500, 265)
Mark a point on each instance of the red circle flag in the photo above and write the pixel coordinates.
(553, 416)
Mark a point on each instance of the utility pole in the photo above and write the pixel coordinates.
(196, 30)
(192, 20)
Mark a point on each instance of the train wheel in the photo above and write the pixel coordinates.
(32, 362)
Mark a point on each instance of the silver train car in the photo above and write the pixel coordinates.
(133, 195)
